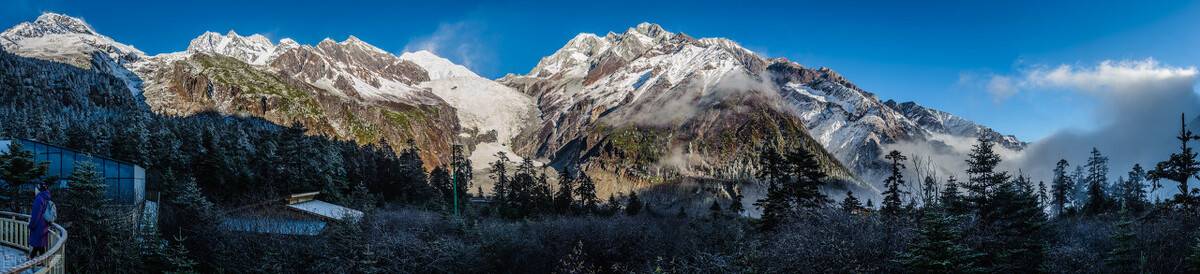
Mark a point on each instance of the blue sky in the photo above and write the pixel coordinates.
(937, 53)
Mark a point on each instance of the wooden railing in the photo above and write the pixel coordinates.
(14, 232)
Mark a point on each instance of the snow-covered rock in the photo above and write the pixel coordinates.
(437, 67)
(66, 39)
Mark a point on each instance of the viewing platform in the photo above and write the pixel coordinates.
(14, 247)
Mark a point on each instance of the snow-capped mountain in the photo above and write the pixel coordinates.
(66, 39)
(650, 105)
(492, 115)
(941, 122)
(254, 49)
(645, 105)
(613, 76)
(437, 67)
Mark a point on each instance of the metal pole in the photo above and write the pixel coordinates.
(454, 183)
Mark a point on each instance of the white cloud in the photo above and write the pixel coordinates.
(1106, 77)
(1110, 76)
(1138, 113)
(1001, 87)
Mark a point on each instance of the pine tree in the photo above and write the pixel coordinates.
(462, 170)
(1062, 186)
(439, 178)
(542, 195)
(949, 197)
(805, 187)
(83, 207)
(982, 175)
(775, 205)
(1097, 178)
(735, 206)
(18, 169)
(614, 206)
(1132, 191)
(1180, 167)
(177, 259)
(500, 176)
(586, 193)
(565, 198)
(891, 196)
(929, 191)
(634, 205)
(851, 204)
(938, 249)
(1011, 224)
(1043, 195)
(1124, 257)
(1193, 258)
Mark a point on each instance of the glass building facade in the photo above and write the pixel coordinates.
(126, 182)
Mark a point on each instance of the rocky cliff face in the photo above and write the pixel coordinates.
(655, 90)
(649, 105)
(347, 90)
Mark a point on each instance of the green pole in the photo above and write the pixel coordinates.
(454, 182)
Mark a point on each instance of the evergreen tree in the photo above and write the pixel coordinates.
(929, 191)
(1011, 229)
(938, 249)
(439, 179)
(614, 206)
(1043, 195)
(851, 204)
(1062, 186)
(542, 195)
(1132, 191)
(891, 196)
(735, 206)
(177, 259)
(500, 176)
(774, 207)
(586, 193)
(1125, 256)
(634, 205)
(682, 213)
(1097, 178)
(805, 187)
(1180, 167)
(83, 207)
(462, 171)
(565, 198)
(1193, 257)
(949, 197)
(983, 178)
(19, 169)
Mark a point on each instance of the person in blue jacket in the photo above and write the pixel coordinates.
(39, 229)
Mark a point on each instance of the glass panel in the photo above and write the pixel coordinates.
(68, 162)
(54, 156)
(126, 191)
(110, 169)
(126, 171)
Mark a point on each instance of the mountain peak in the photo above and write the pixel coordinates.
(649, 29)
(47, 24)
(436, 66)
(252, 49)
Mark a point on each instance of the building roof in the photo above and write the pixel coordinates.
(326, 210)
(274, 225)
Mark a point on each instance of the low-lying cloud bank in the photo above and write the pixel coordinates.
(1136, 119)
